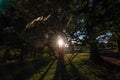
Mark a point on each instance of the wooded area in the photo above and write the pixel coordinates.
(30, 30)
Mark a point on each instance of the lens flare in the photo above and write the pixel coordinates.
(60, 42)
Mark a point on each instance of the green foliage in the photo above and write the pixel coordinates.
(15, 52)
(2, 53)
(91, 17)
(3, 5)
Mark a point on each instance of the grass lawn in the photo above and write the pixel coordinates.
(80, 68)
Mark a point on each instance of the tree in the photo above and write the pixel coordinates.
(111, 18)
(95, 20)
(65, 19)
(88, 22)
(44, 21)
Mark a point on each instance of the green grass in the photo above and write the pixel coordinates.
(80, 68)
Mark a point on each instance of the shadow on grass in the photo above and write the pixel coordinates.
(61, 73)
(106, 71)
(81, 68)
(112, 55)
(22, 70)
(46, 71)
(102, 71)
(110, 66)
(76, 74)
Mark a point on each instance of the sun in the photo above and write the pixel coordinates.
(60, 42)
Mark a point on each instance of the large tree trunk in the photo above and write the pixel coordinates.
(118, 45)
(61, 57)
(94, 53)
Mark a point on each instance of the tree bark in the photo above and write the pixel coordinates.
(61, 57)
(94, 53)
(118, 43)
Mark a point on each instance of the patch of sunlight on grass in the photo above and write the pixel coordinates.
(80, 55)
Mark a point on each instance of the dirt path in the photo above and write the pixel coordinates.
(112, 60)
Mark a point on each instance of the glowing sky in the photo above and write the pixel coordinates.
(3, 4)
(0, 1)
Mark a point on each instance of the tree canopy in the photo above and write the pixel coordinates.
(41, 21)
